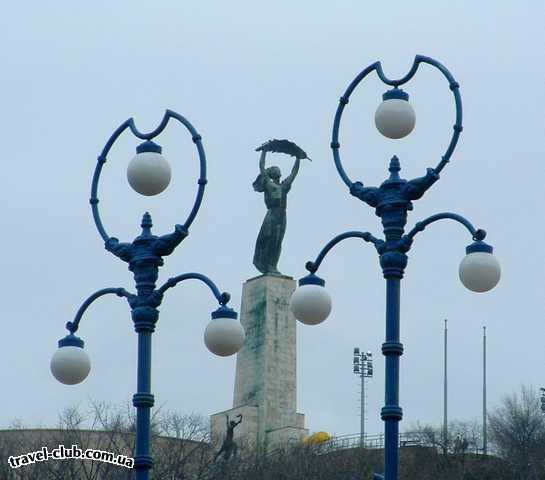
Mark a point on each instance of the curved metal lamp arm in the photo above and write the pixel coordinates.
(73, 326)
(476, 234)
(453, 85)
(312, 267)
(222, 298)
(129, 124)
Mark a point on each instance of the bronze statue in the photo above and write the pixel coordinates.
(229, 447)
(269, 241)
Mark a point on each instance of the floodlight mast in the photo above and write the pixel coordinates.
(363, 367)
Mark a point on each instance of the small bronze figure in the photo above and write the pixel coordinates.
(229, 447)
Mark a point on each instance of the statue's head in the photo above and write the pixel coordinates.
(233, 424)
(274, 173)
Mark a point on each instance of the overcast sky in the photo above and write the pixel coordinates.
(244, 72)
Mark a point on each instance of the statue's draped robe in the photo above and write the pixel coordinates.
(269, 241)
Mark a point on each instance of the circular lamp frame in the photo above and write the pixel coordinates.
(129, 124)
(343, 101)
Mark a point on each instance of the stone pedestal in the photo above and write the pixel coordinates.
(266, 382)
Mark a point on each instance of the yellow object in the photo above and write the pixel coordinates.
(318, 437)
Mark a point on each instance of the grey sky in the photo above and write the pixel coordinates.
(244, 72)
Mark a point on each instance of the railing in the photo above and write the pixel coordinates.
(345, 442)
(375, 442)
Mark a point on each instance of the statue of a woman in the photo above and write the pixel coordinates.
(269, 241)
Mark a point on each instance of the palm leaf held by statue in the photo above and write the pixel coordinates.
(283, 146)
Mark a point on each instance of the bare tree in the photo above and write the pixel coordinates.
(182, 451)
(180, 445)
(457, 458)
(517, 430)
(463, 437)
(300, 462)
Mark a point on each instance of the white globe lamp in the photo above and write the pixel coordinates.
(148, 172)
(70, 364)
(310, 303)
(395, 116)
(224, 335)
(479, 270)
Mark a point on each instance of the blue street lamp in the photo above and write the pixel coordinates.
(479, 270)
(149, 174)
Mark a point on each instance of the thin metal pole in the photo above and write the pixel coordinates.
(445, 393)
(485, 440)
(362, 420)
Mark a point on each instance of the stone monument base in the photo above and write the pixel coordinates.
(280, 437)
(266, 378)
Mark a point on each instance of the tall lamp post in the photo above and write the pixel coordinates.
(485, 416)
(149, 174)
(363, 367)
(445, 389)
(479, 270)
